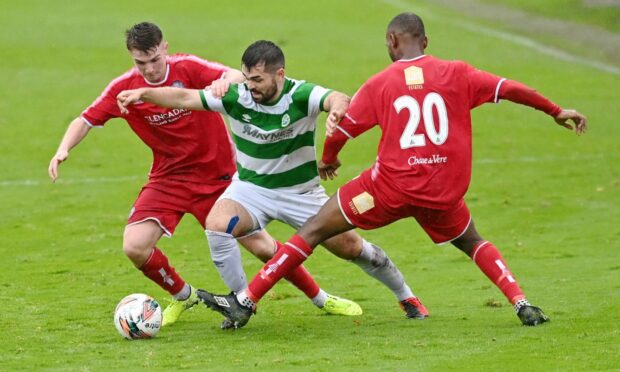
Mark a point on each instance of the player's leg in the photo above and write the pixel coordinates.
(360, 208)
(241, 213)
(260, 244)
(488, 258)
(156, 213)
(263, 246)
(139, 242)
(226, 256)
(376, 263)
(491, 263)
(238, 308)
(230, 220)
(455, 225)
(227, 220)
(139, 245)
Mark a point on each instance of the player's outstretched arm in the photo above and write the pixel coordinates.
(580, 122)
(77, 130)
(220, 87)
(521, 93)
(165, 97)
(336, 104)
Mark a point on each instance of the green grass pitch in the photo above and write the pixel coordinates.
(548, 199)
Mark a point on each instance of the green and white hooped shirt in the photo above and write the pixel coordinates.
(275, 143)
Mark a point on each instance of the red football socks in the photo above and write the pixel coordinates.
(490, 261)
(301, 278)
(159, 270)
(288, 257)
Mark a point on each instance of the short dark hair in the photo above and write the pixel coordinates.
(143, 36)
(263, 51)
(409, 23)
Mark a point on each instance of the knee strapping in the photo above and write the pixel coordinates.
(234, 220)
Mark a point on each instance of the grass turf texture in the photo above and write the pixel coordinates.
(599, 13)
(548, 199)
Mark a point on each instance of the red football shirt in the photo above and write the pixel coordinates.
(423, 107)
(187, 145)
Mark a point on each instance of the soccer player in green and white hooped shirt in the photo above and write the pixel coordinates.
(273, 121)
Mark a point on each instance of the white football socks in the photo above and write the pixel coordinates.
(522, 302)
(319, 299)
(226, 256)
(184, 293)
(245, 301)
(375, 262)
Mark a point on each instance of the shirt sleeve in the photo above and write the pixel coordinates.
(361, 114)
(316, 99)
(333, 145)
(310, 96)
(222, 105)
(521, 93)
(483, 86)
(209, 102)
(103, 108)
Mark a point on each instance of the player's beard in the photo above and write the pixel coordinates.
(265, 96)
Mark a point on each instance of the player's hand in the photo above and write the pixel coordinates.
(580, 122)
(333, 118)
(219, 88)
(126, 98)
(52, 170)
(328, 170)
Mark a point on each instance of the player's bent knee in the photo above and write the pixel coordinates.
(352, 243)
(217, 224)
(223, 224)
(137, 252)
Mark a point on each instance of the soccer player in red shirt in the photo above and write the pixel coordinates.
(193, 163)
(423, 167)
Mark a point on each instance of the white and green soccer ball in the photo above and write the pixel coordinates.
(137, 316)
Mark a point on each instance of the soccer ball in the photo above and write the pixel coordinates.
(137, 316)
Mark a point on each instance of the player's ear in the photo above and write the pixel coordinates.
(164, 47)
(280, 73)
(395, 40)
(391, 40)
(424, 42)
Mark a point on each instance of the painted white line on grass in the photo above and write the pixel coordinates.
(79, 181)
(513, 38)
(541, 48)
(519, 159)
(533, 159)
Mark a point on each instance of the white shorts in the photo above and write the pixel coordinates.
(266, 205)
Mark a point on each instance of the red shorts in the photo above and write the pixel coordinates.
(165, 202)
(365, 206)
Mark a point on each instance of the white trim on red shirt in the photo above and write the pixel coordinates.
(412, 59)
(162, 81)
(496, 99)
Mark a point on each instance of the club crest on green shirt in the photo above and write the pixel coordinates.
(286, 120)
